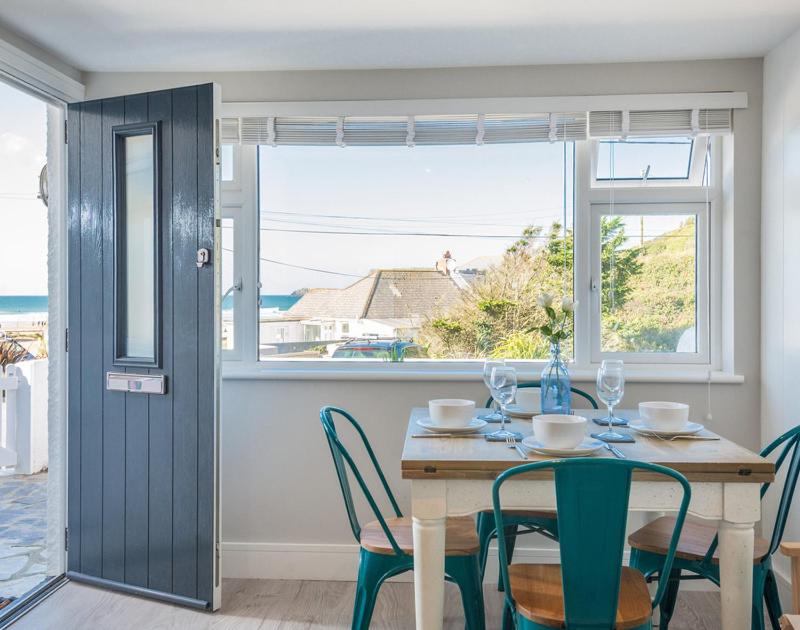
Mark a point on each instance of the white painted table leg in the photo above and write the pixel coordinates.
(736, 574)
(428, 510)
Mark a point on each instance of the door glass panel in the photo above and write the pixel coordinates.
(137, 260)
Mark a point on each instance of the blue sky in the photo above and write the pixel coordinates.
(23, 217)
(476, 190)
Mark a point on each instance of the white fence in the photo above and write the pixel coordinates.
(23, 417)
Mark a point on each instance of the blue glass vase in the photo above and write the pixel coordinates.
(555, 390)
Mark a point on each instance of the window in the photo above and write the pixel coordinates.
(444, 247)
(652, 282)
(644, 159)
(375, 250)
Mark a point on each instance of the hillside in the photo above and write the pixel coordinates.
(661, 303)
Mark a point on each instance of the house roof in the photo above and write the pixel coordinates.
(383, 294)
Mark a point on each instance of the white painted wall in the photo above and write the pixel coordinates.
(780, 255)
(282, 511)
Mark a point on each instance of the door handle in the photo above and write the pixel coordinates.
(203, 256)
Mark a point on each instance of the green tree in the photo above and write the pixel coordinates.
(618, 264)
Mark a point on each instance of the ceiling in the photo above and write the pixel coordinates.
(183, 35)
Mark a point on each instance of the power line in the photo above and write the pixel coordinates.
(385, 227)
(542, 237)
(285, 264)
(426, 219)
(436, 234)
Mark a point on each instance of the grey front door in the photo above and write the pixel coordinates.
(143, 352)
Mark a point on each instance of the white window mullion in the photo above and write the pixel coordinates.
(581, 257)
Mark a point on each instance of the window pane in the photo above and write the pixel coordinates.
(649, 283)
(226, 160)
(394, 253)
(139, 333)
(228, 280)
(658, 158)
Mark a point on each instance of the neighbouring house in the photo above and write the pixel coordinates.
(388, 303)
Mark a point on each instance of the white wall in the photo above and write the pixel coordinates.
(282, 511)
(780, 253)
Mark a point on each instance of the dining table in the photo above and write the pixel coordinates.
(453, 476)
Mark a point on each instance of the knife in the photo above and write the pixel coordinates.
(615, 451)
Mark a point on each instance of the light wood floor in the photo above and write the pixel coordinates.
(286, 605)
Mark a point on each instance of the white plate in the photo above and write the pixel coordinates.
(515, 411)
(587, 447)
(690, 429)
(476, 424)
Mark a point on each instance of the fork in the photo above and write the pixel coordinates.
(511, 442)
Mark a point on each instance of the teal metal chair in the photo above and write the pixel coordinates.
(590, 589)
(647, 546)
(386, 543)
(520, 522)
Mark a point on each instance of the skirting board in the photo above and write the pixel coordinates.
(297, 561)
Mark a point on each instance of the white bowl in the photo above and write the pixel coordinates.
(559, 430)
(529, 399)
(664, 416)
(451, 412)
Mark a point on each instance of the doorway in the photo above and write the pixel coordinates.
(32, 479)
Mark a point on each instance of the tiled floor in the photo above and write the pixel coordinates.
(23, 527)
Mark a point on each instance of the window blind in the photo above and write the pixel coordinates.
(470, 128)
(659, 123)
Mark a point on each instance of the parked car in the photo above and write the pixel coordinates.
(389, 349)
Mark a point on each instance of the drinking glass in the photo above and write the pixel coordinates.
(488, 366)
(503, 384)
(611, 389)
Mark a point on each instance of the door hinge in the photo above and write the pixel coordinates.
(66, 539)
(66, 141)
(66, 340)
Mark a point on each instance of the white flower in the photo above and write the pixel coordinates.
(545, 300)
(568, 305)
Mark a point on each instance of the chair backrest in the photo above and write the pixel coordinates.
(341, 456)
(790, 451)
(538, 385)
(592, 499)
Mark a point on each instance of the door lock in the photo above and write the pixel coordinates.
(203, 256)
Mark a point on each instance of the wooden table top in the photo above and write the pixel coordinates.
(475, 458)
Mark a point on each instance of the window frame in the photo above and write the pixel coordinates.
(588, 192)
(697, 161)
(699, 210)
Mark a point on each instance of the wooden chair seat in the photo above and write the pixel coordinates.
(694, 542)
(528, 513)
(537, 590)
(461, 538)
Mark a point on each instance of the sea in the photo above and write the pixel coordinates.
(34, 307)
(23, 308)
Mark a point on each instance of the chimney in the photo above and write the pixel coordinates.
(443, 264)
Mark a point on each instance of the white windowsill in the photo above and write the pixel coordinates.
(380, 371)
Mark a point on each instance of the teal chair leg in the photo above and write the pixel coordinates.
(508, 618)
(485, 532)
(667, 607)
(511, 541)
(463, 570)
(759, 579)
(373, 569)
(772, 599)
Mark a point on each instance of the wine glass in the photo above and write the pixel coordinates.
(611, 389)
(503, 384)
(488, 366)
